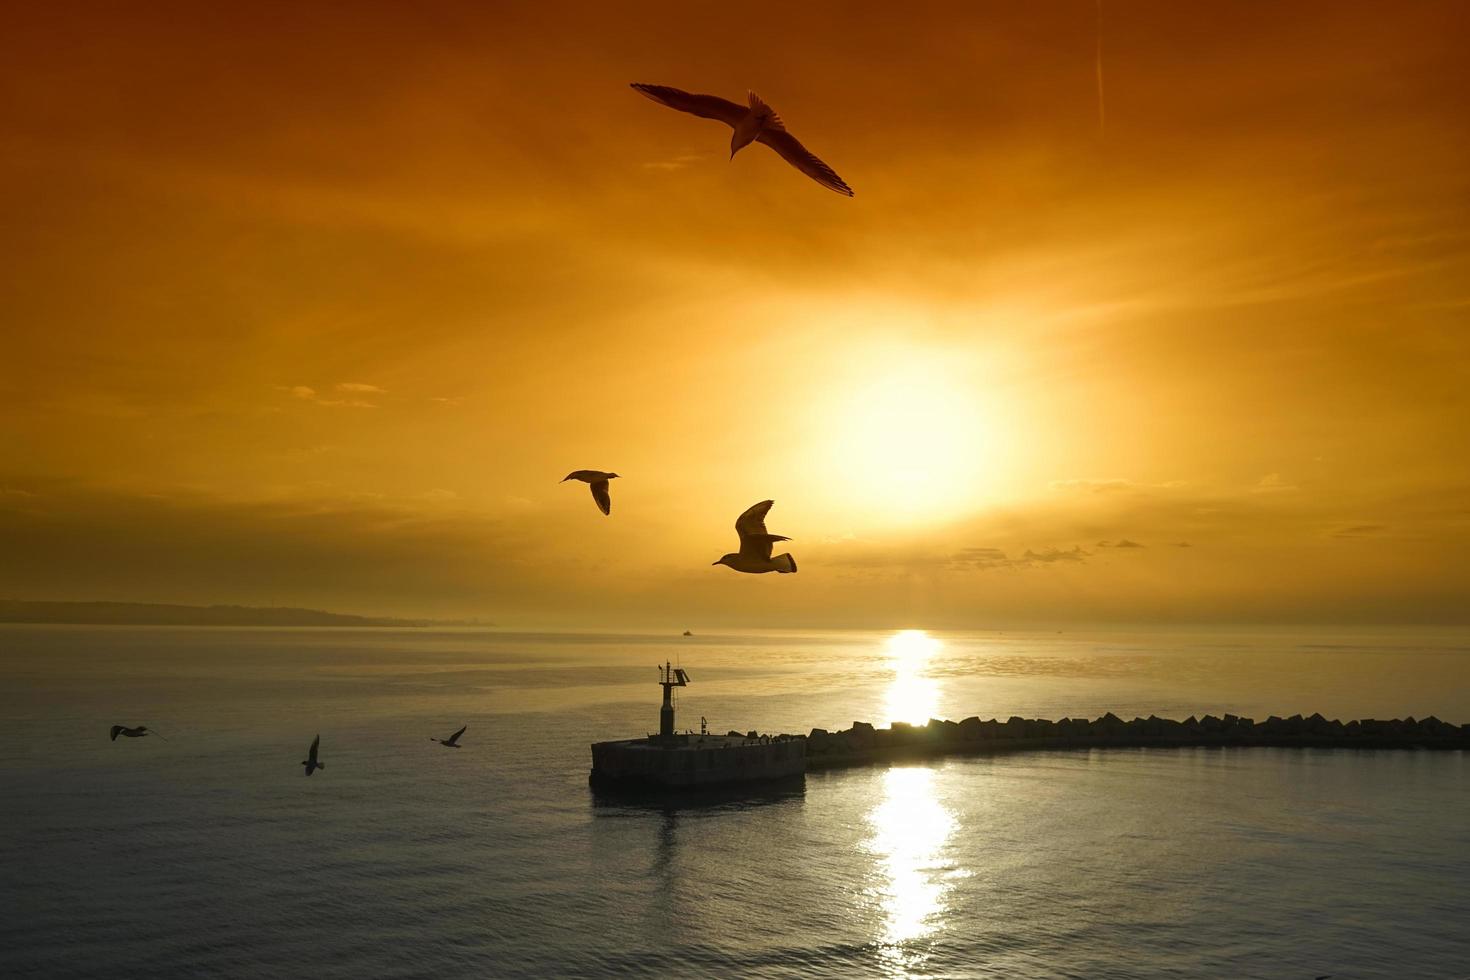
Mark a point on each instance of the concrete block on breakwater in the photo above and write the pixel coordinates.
(863, 743)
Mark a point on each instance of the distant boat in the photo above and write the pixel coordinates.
(687, 633)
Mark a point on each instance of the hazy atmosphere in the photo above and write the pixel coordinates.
(303, 309)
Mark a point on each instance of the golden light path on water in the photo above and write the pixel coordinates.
(912, 696)
(910, 826)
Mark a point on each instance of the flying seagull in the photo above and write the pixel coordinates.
(138, 732)
(452, 742)
(754, 555)
(756, 123)
(598, 481)
(311, 764)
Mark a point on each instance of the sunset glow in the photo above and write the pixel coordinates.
(298, 314)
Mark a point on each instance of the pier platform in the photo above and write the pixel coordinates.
(697, 760)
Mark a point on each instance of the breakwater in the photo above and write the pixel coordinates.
(863, 743)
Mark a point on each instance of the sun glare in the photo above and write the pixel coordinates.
(906, 437)
(912, 696)
(911, 827)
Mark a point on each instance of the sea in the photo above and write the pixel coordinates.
(207, 853)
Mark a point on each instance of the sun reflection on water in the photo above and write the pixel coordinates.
(912, 696)
(910, 827)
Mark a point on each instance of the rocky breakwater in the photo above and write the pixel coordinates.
(862, 743)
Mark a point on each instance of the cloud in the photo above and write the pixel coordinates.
(1272, 483)
(310, 394)
(1094, 486)
(987, 558)
(1360, 531)
(1120, 543)
(1047, 556)
(677, 163)
(1113, 485)
(982, 558)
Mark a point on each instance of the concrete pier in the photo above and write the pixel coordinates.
(863, 744)
(670, 760)
(689, 761)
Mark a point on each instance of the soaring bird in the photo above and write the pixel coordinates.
(138, 732)
(754, 555)
(755, 123)
(452, 742)
(598, 481)
(311, 764)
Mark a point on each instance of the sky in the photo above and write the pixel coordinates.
(314, 304)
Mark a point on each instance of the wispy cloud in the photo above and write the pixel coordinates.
(987, 558)
(310, 394)
(1120, 543)
(1047, 556)
(1112, 485)
(1360, 531)
(677, 163)
(1272, 483)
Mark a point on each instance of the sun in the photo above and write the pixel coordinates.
(906, 437)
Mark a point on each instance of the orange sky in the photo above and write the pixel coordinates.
(313, 304)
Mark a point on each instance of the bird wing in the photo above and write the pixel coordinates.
(311, 756)
(753, 521)
(603, 498)
(755, 540)
(115, 730)
(455, 737)
(803, 159)
(708, 106)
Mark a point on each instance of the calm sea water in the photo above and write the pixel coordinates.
(211, 855)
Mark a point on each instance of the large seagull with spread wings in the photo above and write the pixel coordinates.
(754, 555)
(755, 123)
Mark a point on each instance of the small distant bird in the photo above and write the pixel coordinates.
(754, 555)
(452, 741)
(311, 764)
(756, 123)
(597, 480)
(138, 732)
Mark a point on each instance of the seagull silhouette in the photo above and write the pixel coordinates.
(598, 481)
(755, 123)
(452, 742)
(311, 764)
(138, 732)
(754, 555)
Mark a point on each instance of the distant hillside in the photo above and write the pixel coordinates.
(158, 614)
